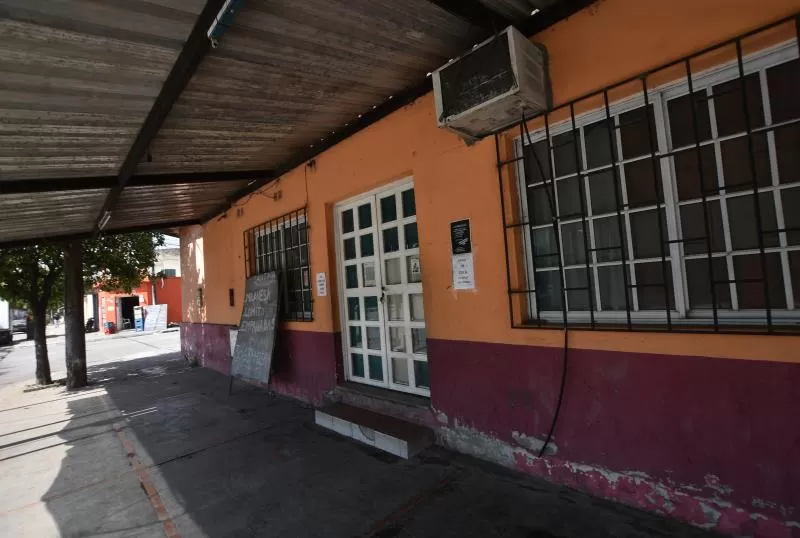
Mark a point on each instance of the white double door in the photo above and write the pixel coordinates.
(380, 276)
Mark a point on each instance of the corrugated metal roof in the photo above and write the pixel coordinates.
(79, 77)
(287, 73)
(165, 204)
(43, 215)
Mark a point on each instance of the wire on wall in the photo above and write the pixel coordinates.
(549, 190)
(313, 165)
(264, 191)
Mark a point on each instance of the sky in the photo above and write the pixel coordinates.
(171, 242)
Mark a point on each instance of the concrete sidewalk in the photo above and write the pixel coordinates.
(159, 448)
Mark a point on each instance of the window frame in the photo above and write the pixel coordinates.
(256, 261)
(658, 99)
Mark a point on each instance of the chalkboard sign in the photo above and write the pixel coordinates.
(255, 341)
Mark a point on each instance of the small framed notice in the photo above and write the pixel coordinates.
(463, 262)
(322, 285)
(460, 238)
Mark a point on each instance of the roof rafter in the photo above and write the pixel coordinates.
(189, 59)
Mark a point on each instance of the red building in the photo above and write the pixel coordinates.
(117, 307)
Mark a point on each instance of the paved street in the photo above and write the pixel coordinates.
(155, 447)
(18, 362)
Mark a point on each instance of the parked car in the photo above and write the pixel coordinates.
(19, 324)
(6, 334)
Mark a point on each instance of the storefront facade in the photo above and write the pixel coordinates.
(696, 423)
(168, 291)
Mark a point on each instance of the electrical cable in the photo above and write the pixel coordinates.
(262, 192)
(554, 214)
(310, 164)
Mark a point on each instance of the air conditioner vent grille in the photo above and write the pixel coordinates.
(477, 77)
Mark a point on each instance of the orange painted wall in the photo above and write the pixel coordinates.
(608, 42)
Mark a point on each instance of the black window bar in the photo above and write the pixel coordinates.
(785, 247)
(281, 245)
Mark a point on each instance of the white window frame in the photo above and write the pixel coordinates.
(658, 98)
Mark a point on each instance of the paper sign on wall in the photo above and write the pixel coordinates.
(322, 285)
(463, 272)
(461, 248)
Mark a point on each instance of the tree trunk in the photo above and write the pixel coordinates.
(40, 340)
(75, 342)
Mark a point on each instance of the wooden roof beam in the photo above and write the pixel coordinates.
(189, 59)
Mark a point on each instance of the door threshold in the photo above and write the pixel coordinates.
(409, 407)
(383, 432)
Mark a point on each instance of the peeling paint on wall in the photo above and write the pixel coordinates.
(675, 500)
(690, 458)
(469, 441)
(533, 444)
(702, 506)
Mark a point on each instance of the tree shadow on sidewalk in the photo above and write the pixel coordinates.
(175, 451)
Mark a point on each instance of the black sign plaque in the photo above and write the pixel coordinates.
(460, 238)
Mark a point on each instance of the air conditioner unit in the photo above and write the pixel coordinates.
(492, 85)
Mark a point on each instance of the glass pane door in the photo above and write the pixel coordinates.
(360, 273)
(402, 286)
(385, 338)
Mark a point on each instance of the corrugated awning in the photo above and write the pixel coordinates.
(119, 115)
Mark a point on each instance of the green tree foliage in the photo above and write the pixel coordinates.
(33, 277)
(120, 262)
(29, 278)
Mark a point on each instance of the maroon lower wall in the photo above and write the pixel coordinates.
(711, 441)
(207, 344)
(304, 366)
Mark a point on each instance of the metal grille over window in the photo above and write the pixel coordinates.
(281, 245)
(670, 200)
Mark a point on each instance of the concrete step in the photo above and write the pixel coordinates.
(389, 434)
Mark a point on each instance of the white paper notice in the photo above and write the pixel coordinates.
(322, 285)
(463, 272)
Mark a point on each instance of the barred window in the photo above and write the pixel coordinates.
(679, 204)
(281, 245)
